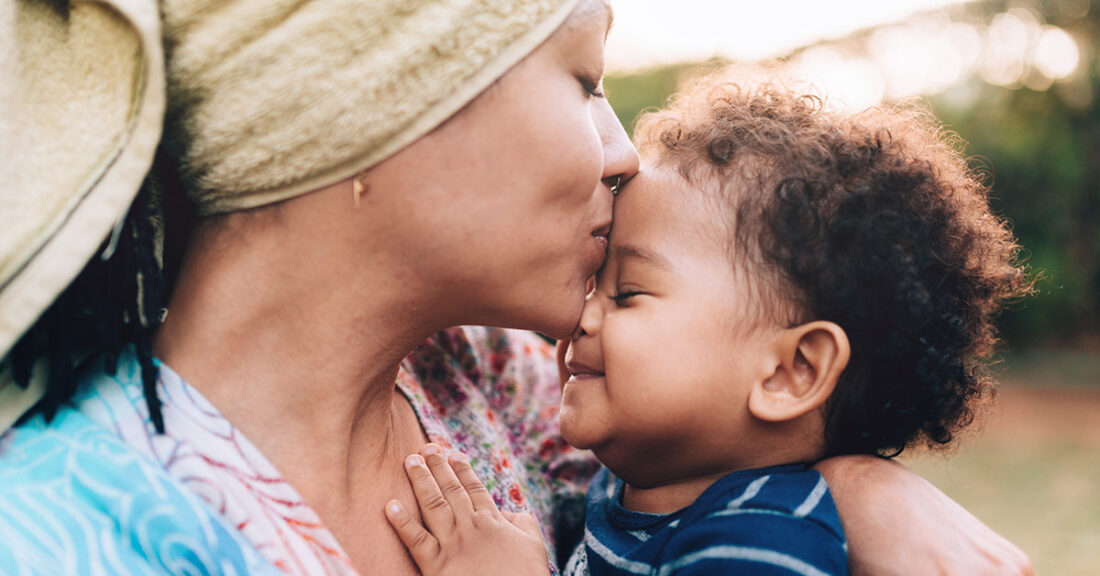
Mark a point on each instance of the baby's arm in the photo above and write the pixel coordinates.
(463, 531)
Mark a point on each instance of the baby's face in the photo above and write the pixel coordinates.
(662, 360)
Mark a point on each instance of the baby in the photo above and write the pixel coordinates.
(784, 283)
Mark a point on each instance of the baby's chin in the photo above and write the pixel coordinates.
(573, 431)
(567, 422)
(600, 447)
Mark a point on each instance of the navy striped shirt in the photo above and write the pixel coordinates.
(779, 520)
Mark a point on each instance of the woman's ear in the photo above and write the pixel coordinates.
(811, 358)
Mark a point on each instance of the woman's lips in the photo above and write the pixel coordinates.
(600, 236)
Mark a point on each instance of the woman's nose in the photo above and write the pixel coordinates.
(620, 159)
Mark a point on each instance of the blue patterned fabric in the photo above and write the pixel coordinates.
(772, 521)
(74, 500)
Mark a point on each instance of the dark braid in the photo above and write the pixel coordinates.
(113, 303)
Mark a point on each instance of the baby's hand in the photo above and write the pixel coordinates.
(465, 532)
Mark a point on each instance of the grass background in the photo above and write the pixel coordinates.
(1032, 469)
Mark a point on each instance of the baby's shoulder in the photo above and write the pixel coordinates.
(794, 492)
(783, 517)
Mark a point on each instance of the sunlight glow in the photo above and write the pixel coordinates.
(859, 52)
(1056, 53)
(654, 32)
(853, 83)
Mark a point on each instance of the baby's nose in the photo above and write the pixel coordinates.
(591, 316)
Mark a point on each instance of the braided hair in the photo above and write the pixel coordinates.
(114, 303)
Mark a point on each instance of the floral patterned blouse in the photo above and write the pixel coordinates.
(494, 395)
(490, 393)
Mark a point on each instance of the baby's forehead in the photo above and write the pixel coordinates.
(652, 198)
(662, 214)
(660, 183)
(680, 200)
(661, 203)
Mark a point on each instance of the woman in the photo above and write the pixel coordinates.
(369, 175)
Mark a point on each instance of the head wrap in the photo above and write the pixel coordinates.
(271, 99)
(260, 101)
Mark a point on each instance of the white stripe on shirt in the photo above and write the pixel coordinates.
(614, 559)
(750, 492)
(743, 553)
(812, 500)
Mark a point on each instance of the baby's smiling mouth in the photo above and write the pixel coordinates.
(581, 370)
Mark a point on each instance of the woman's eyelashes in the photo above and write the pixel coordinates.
(593, 87)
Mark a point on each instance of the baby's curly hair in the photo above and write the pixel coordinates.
(873, 221)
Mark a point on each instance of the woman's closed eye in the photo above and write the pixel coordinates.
(593, 87)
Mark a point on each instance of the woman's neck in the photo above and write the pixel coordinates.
(299, 352)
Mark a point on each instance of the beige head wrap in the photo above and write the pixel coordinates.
(266, 100)
(271, 99)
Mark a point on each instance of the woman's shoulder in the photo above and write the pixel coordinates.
(76, 499)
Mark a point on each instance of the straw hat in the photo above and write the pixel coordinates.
(81, 108)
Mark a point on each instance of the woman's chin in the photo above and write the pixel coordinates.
(558, 332)
(560, 323)
(553, 312)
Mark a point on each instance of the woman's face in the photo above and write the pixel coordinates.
(509, 202)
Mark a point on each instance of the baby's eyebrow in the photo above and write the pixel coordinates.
(628, 251)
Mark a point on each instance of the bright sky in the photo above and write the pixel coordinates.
(649, 32)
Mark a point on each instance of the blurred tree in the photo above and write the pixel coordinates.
(1044, 160)
(634, 93)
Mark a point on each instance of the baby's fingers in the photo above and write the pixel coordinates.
(480, 498)
(423, 547)
(453, 490)
(437, 513)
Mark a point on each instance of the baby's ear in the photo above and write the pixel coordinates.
(811, 358)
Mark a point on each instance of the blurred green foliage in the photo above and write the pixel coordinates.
(1044, 160)
(1041, 153)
